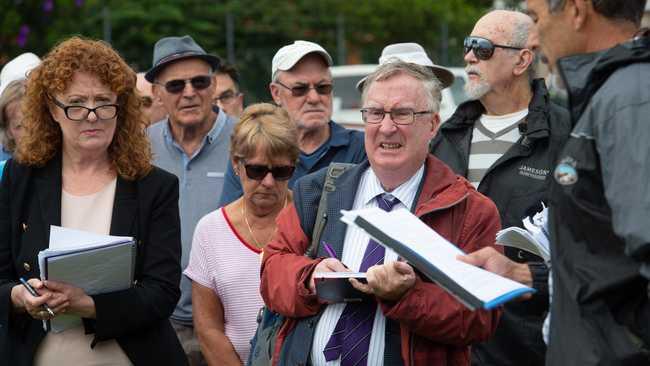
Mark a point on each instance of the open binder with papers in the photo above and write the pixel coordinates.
(533, 238)
(435, 257)
(96, 263)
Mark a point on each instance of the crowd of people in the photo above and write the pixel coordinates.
(234, 209)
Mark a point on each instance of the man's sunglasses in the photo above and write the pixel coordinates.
(279, 172)
(178, 85)
(302, 89)
(483, 48)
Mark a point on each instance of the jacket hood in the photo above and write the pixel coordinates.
(537, 122)
(441, 187)
(585, 73)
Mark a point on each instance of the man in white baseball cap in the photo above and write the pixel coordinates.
(415, 54)
(301, 83)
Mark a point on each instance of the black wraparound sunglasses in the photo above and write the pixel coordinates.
(279, 172)
(178, 85)
(483, 48)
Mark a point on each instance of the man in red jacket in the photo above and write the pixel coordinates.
(408, 320)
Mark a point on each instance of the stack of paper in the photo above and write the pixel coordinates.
(533, 239)
(435, 257)
(96, 263)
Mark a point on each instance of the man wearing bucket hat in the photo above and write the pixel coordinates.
(193, 143)
(415, 54)
(301, 83)
(504, 142)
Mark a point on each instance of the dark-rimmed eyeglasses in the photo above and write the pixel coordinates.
(483, 48)
(279, 172)
(400, 116)
(80, 113)
(227, 96)
(302, 89)
(176, 86)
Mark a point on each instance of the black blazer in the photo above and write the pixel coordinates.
(137, 318)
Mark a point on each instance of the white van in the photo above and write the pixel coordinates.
(347, 99)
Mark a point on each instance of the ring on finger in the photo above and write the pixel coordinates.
(43, 314)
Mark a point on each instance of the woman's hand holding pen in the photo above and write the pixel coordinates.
(76, 300)
(23, 301)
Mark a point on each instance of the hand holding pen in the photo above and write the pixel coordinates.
(37, 309)
(331, 264)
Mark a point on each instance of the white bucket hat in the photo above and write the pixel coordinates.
(415, 54)
(18, 69)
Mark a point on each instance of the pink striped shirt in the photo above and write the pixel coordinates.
(221, 260)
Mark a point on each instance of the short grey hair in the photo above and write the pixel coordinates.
(520, 33)
(423, 74)
(628, 10)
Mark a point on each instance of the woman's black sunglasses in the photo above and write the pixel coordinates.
(178, 85)
(483, 48)
(279, 172)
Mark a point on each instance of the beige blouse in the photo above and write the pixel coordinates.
(92, 213)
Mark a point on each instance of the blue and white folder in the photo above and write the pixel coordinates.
(435, 257)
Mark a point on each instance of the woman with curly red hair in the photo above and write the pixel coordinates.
(84, 162)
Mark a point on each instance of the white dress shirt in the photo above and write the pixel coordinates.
(354, 246)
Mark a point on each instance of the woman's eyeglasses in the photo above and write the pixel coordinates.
(80, 113)
(178, 85)
(279, 172)
(302, 89)
(483, 48)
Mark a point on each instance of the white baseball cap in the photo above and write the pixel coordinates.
(18, 69)
(289, 55)
(415, 54)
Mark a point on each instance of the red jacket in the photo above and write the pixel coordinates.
(436, 329)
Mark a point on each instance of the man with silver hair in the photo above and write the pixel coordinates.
(406, 319)
(301, 83)
(505, 141)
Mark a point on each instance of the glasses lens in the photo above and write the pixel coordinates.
(106, 111)
(323, 89)
(226, 96)
(300, 90)
(283, 172)
(175, 86)
(402, 115)
(371, 115)
(76, 113)
(257, 172)
(201, 82)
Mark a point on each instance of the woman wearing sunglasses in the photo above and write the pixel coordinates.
(84, 163)
(225, 258)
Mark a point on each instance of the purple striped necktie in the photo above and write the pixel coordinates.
(351, 337)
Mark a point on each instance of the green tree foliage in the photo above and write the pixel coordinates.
(260, 28)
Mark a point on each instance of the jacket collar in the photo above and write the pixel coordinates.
(339, 136)
(49, 185)
(537, 125)
(584, 74)
(441, 188)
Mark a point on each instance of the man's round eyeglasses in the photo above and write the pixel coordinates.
(80, 113)
(400, 116)
(483, 48)
(301, 90)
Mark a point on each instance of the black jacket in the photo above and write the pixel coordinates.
(600, 212)
(137, 318)
(517, 183)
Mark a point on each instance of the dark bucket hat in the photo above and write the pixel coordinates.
(171, 49)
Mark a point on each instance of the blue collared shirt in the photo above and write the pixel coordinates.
(343, 146)
(201, 178)
(4, 153)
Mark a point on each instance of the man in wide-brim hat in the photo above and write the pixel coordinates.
(193, 143)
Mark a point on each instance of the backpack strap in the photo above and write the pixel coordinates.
(334, 171)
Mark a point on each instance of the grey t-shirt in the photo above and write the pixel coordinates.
(200, 178)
